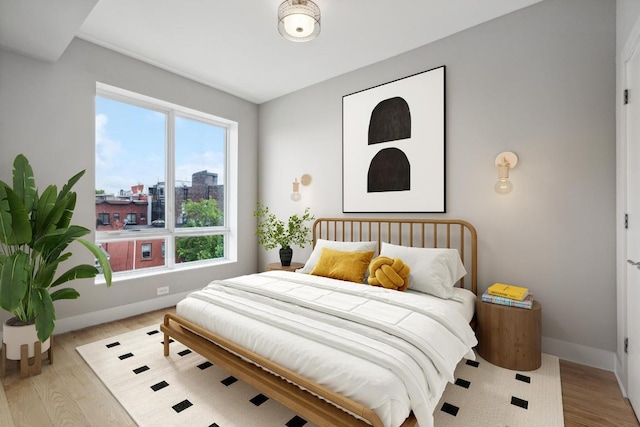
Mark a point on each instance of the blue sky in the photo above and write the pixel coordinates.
(130, 147)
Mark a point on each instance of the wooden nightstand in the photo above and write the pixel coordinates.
(509, 337)
(278, 266)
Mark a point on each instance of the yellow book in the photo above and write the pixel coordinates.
(508, 291)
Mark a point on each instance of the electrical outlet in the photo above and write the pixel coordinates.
(163, 290)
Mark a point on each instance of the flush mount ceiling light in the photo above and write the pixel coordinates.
(299, 20)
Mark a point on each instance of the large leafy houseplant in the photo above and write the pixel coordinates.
(273, 232)
(35, 232)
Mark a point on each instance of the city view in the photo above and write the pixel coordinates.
(132, 194)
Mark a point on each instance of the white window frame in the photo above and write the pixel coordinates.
(170, 232)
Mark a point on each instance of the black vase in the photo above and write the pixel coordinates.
(285, 256)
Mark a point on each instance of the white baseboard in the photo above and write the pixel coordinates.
(622, 389)
(80, 321)
(585, 355)
(110, 314)
(620, 374)
(590, 356)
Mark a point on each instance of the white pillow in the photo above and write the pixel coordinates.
(433, 270)
(336, 246)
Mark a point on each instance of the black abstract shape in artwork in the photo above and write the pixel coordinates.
(389, 170)
(390, 121)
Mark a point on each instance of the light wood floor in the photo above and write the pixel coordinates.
(67, 393)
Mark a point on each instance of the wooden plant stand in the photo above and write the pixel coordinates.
(26, 368)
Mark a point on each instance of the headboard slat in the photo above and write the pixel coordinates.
(443, 236)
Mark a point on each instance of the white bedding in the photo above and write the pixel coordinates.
(466, 306)
(391, 351)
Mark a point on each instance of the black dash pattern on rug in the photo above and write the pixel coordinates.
(259, 399)
(179, 407)
(473, 363)
(141, 369)
(205, 365)
(159, 386)
(484, 394)
(296, 422)
(519, 402)
(229, 380)
(462, 383)
(127, 359)
(450, 409)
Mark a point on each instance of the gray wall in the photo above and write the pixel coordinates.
(47, 112)
(539, 82)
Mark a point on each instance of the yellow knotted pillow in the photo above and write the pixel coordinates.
(390, 273)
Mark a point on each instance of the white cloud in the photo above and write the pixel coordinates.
(107, 151)
(210, 161)
(106, 148)
(119, 166)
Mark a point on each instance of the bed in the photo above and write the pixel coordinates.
(342, 353)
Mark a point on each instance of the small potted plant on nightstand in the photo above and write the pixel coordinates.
(35, 233)
(273, 233)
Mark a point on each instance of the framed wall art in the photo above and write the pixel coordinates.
(393, 146)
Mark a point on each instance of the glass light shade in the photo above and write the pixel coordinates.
(503, 186)
(295, 196)
(298, 25)
(299, 20)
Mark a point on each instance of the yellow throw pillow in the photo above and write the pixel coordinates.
(391, 273)
(350, 266)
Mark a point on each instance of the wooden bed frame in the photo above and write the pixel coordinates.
(291, 389)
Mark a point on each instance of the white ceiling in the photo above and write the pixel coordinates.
(41, 28)
(234, 45)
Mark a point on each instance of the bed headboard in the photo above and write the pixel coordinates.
(420, 233)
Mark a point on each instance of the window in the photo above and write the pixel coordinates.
(146, 250)
(131, 218)
(171, 168)
(103, 219)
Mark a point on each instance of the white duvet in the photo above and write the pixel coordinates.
(391, 351)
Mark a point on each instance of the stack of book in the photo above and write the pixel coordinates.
(514, 296)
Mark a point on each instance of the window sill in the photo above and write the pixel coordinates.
(137, 274)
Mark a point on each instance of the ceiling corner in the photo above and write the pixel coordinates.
(41, 28)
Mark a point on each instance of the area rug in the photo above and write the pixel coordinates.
(485, 395)
(186, 389)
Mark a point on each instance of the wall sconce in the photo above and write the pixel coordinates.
(504, 161)
(304, 180)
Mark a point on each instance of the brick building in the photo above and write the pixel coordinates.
(135, 254)
(135, 210)
(114, 214)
